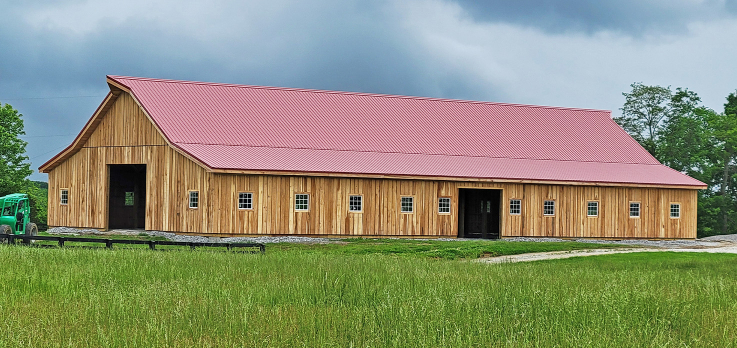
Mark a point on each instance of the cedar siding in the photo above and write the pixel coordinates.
(125, 135)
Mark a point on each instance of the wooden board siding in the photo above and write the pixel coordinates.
(126, 136)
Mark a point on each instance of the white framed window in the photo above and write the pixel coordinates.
(675, 210)
(515, 206)
(634, 209)
(245, 200)
(301, 202)
(408, 204)
(355, 203)
(194, 199)
(592, 208)
(444, 205)
(64, 197)
(549, 208)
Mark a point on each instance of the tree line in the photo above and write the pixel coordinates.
(691, 138)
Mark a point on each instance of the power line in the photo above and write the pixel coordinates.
(46, 136)
(57, 149)
(66, 97)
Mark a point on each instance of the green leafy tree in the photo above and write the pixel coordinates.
(644, 110)
(14, 168)
(683, 140)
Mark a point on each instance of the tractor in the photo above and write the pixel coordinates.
(16, 215)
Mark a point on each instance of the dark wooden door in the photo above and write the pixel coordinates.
(481, 214)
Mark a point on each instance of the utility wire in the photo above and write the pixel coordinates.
(47, 136)
(68, 97)
(47, 152)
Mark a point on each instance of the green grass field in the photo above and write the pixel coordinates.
(303, 296)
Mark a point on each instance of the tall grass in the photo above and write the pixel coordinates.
(139, 298)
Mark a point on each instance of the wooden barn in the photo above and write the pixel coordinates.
(219, 159)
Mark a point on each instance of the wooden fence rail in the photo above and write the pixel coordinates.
(26, 239)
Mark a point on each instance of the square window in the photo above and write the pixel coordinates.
(194, 199)
(129, 199)
(634, 209)
(515, 206)
(592, 209)
(64, 197)
(301, 202)
(355, 203)
(675, 210)
(408, 205)
(549, 208)
(444, 205)
(245, 200)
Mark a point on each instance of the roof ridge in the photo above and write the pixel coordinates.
(418, 153)
(363, 94)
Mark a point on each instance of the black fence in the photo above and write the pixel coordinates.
(26, 239)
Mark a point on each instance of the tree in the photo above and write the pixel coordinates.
(682, 142)
(644, 109)
(730, 108)
(14, 170)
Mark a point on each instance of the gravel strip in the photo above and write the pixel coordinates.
(196, 239)
(708, 242)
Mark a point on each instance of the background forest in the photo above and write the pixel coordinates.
(691, 138)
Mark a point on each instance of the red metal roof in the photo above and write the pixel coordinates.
(281, 129)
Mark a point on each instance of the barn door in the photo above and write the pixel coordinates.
(481, 213)
(127, 201)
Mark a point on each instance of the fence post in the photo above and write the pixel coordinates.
(152, 245)
(61, 242)
(109, 243)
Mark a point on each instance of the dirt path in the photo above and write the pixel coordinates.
(729, 248)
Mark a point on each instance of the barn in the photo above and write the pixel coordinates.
(224, 160)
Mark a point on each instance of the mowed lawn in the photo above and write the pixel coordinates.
(296, 296)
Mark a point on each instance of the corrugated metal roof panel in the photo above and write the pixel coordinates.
(281, 129)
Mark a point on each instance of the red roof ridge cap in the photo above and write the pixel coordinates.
(364, 94)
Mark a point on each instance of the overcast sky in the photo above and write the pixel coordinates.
(579, 53)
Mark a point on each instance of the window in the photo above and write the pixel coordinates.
(634, 209)
(549, 208)
(194, 199)
(301, 202)
(245, 200)
(515, 206)
(675, 210)
(444, 205)
(64, 197)
(408, 205)
(592, 209)
(129, 199)
(355, 203)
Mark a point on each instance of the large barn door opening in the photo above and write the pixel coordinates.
(127, 201)
(479, 213)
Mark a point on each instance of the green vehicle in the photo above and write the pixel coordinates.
(16, 215)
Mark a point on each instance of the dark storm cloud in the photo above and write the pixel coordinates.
(634, 17)
(338, 45)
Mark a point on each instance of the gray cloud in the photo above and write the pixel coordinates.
(633, 17)
(340, 45)
(425, 48)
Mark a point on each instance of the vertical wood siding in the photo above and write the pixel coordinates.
(125, 136)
